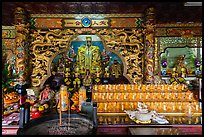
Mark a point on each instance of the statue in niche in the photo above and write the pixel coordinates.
(88, 58)
(58, 78)
(116, 74)
(11, 64)
(180, 67)
(46, 94)
(116, 69)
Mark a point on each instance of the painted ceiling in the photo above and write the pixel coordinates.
(166, 12)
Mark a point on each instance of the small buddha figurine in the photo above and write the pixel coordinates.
(76, 74)
(116, 69)
(98, 72)
(61, 67)
(174, 73)
(180, 66)
(106, 74)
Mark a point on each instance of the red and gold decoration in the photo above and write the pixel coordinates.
(8, 32)
(125, 22)
(9, 43)
(179, 30)
(48, 23)
(21, 40)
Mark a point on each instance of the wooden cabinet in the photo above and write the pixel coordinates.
(112, 130)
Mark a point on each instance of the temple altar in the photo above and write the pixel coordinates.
(101, 68)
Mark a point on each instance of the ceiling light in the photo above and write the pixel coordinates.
(193, 4)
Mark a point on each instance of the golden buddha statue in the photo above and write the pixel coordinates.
(88, 57)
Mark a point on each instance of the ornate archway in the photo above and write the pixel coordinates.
(128, 44)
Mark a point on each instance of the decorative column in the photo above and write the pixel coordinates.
(21, 51)
(149, 44)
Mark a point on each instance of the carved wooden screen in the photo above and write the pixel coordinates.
(128, 43)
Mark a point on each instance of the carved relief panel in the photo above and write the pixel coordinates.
(128, 43)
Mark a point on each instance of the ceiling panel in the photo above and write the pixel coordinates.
(166, 12)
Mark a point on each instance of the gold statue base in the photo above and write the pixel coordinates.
(142, 122)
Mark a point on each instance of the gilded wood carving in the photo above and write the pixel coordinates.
(45, 44)
(128, 43)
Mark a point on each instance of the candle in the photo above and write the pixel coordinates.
(196, 107)
(105, 106)
(190, 96)
(125, 86)
(189, 110)
(164, 106)
(173, 108)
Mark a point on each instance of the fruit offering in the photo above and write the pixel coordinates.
(39, 107)
(10, 108)
(10, 98)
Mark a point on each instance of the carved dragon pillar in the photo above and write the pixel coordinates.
(149, 44)
(21, 40)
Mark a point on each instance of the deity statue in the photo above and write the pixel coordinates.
(58, 77)
(88, 57)
(47, 94)
(116, 69)
(106, 74)
(181, 68)
(11, 64)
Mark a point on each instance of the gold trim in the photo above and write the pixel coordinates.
(156, 58)
(83, 15)
(117, 39)
(179, 25)
(180, 114)
(111, 114)
(165, 114)
(8, 27)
